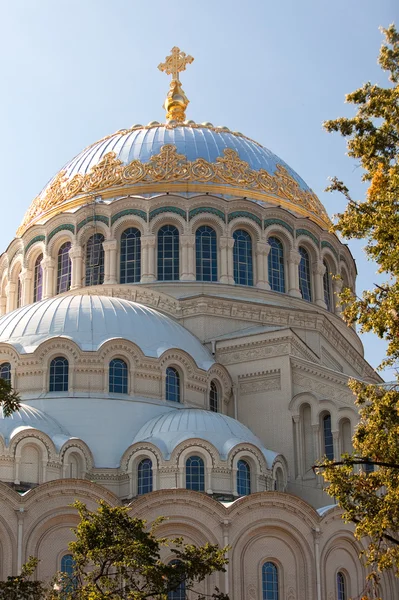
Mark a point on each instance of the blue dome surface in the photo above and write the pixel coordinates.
(192, 141)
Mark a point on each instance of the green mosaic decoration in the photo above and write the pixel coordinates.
(206, 209)
(243, 213)
(308, 234)
(100, 218)
(129, 211)
(65, 227)
(269, 222)
(331, 247)
(37, 238)
(164, 209)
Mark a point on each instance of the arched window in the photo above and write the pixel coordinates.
(168, 253)
(38, 279)
(269, 581)
(130, 267)
(64, 268)
(118, 376)
(341, 586)
(68, 567)
(279, 481)
(5, 371)
(327, 287)
(206, 254)
(144, 477)
(95, 260)
(276, 265)
(59, 368)
(243, 478)
(172, 387)
(180, 592)
(242, 257)
(195, 474)
(213, 397)
(19, 292)
(304, 275)
(328, 437)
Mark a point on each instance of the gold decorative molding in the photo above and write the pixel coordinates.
(229, 171)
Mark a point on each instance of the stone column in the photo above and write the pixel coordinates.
(48, 264)
(230, 261)
(293, 262)
(148, 243)
(11, 289)
(262, 252)
(3, 305)
(299, 468)
(224, 278)
(335, 435)
(26, 282)
(318, 271)
(187, 243)
(76, 256)
(337, 289)
(110, 248)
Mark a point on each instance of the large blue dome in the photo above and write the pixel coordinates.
(201, 141)
(175, 158)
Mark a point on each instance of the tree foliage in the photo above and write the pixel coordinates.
(9, 399)
(21, 587)
(117, 558)
(371, 499)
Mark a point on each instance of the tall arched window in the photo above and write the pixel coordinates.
(279, 481)
(276, 265)
(242, 257)
(180, 592)
(144, 477)
(118, 376)
(304, 275)
(206, 254)
(59, 371)
(172, 387)
(68, 567)
(19, 292)
(130, 267)
(195, 474)
(243, 478)
(168, 253)
(327, 287)
(214, 397)
(341, 586)
(269, 581)
(5, 371)
(38, 279)
(95, 260)
(64, 268)
(328, 437)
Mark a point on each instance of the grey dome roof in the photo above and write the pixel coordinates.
(28, 417)
(168, 430)
(92, 320)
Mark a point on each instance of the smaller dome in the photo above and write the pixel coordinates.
(90, 321)
(170, 429)
(28, 417)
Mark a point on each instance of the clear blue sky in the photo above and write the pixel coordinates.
(73, 71)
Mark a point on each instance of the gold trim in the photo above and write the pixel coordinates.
(228, 175)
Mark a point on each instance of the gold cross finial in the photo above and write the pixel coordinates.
(176, 101)
(175, 63)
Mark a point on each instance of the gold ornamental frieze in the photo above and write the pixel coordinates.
(229, 171)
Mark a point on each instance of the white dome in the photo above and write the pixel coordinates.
(92, 320)
(168, 430)
(28, 417)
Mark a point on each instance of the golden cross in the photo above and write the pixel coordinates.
(175, 63)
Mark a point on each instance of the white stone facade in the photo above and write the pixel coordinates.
(279, 364)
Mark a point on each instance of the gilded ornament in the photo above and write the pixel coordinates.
(169, 166)
(176, 101)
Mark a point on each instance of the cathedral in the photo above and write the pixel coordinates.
(170, 321)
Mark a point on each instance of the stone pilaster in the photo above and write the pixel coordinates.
(110, 253)
(293, 263)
